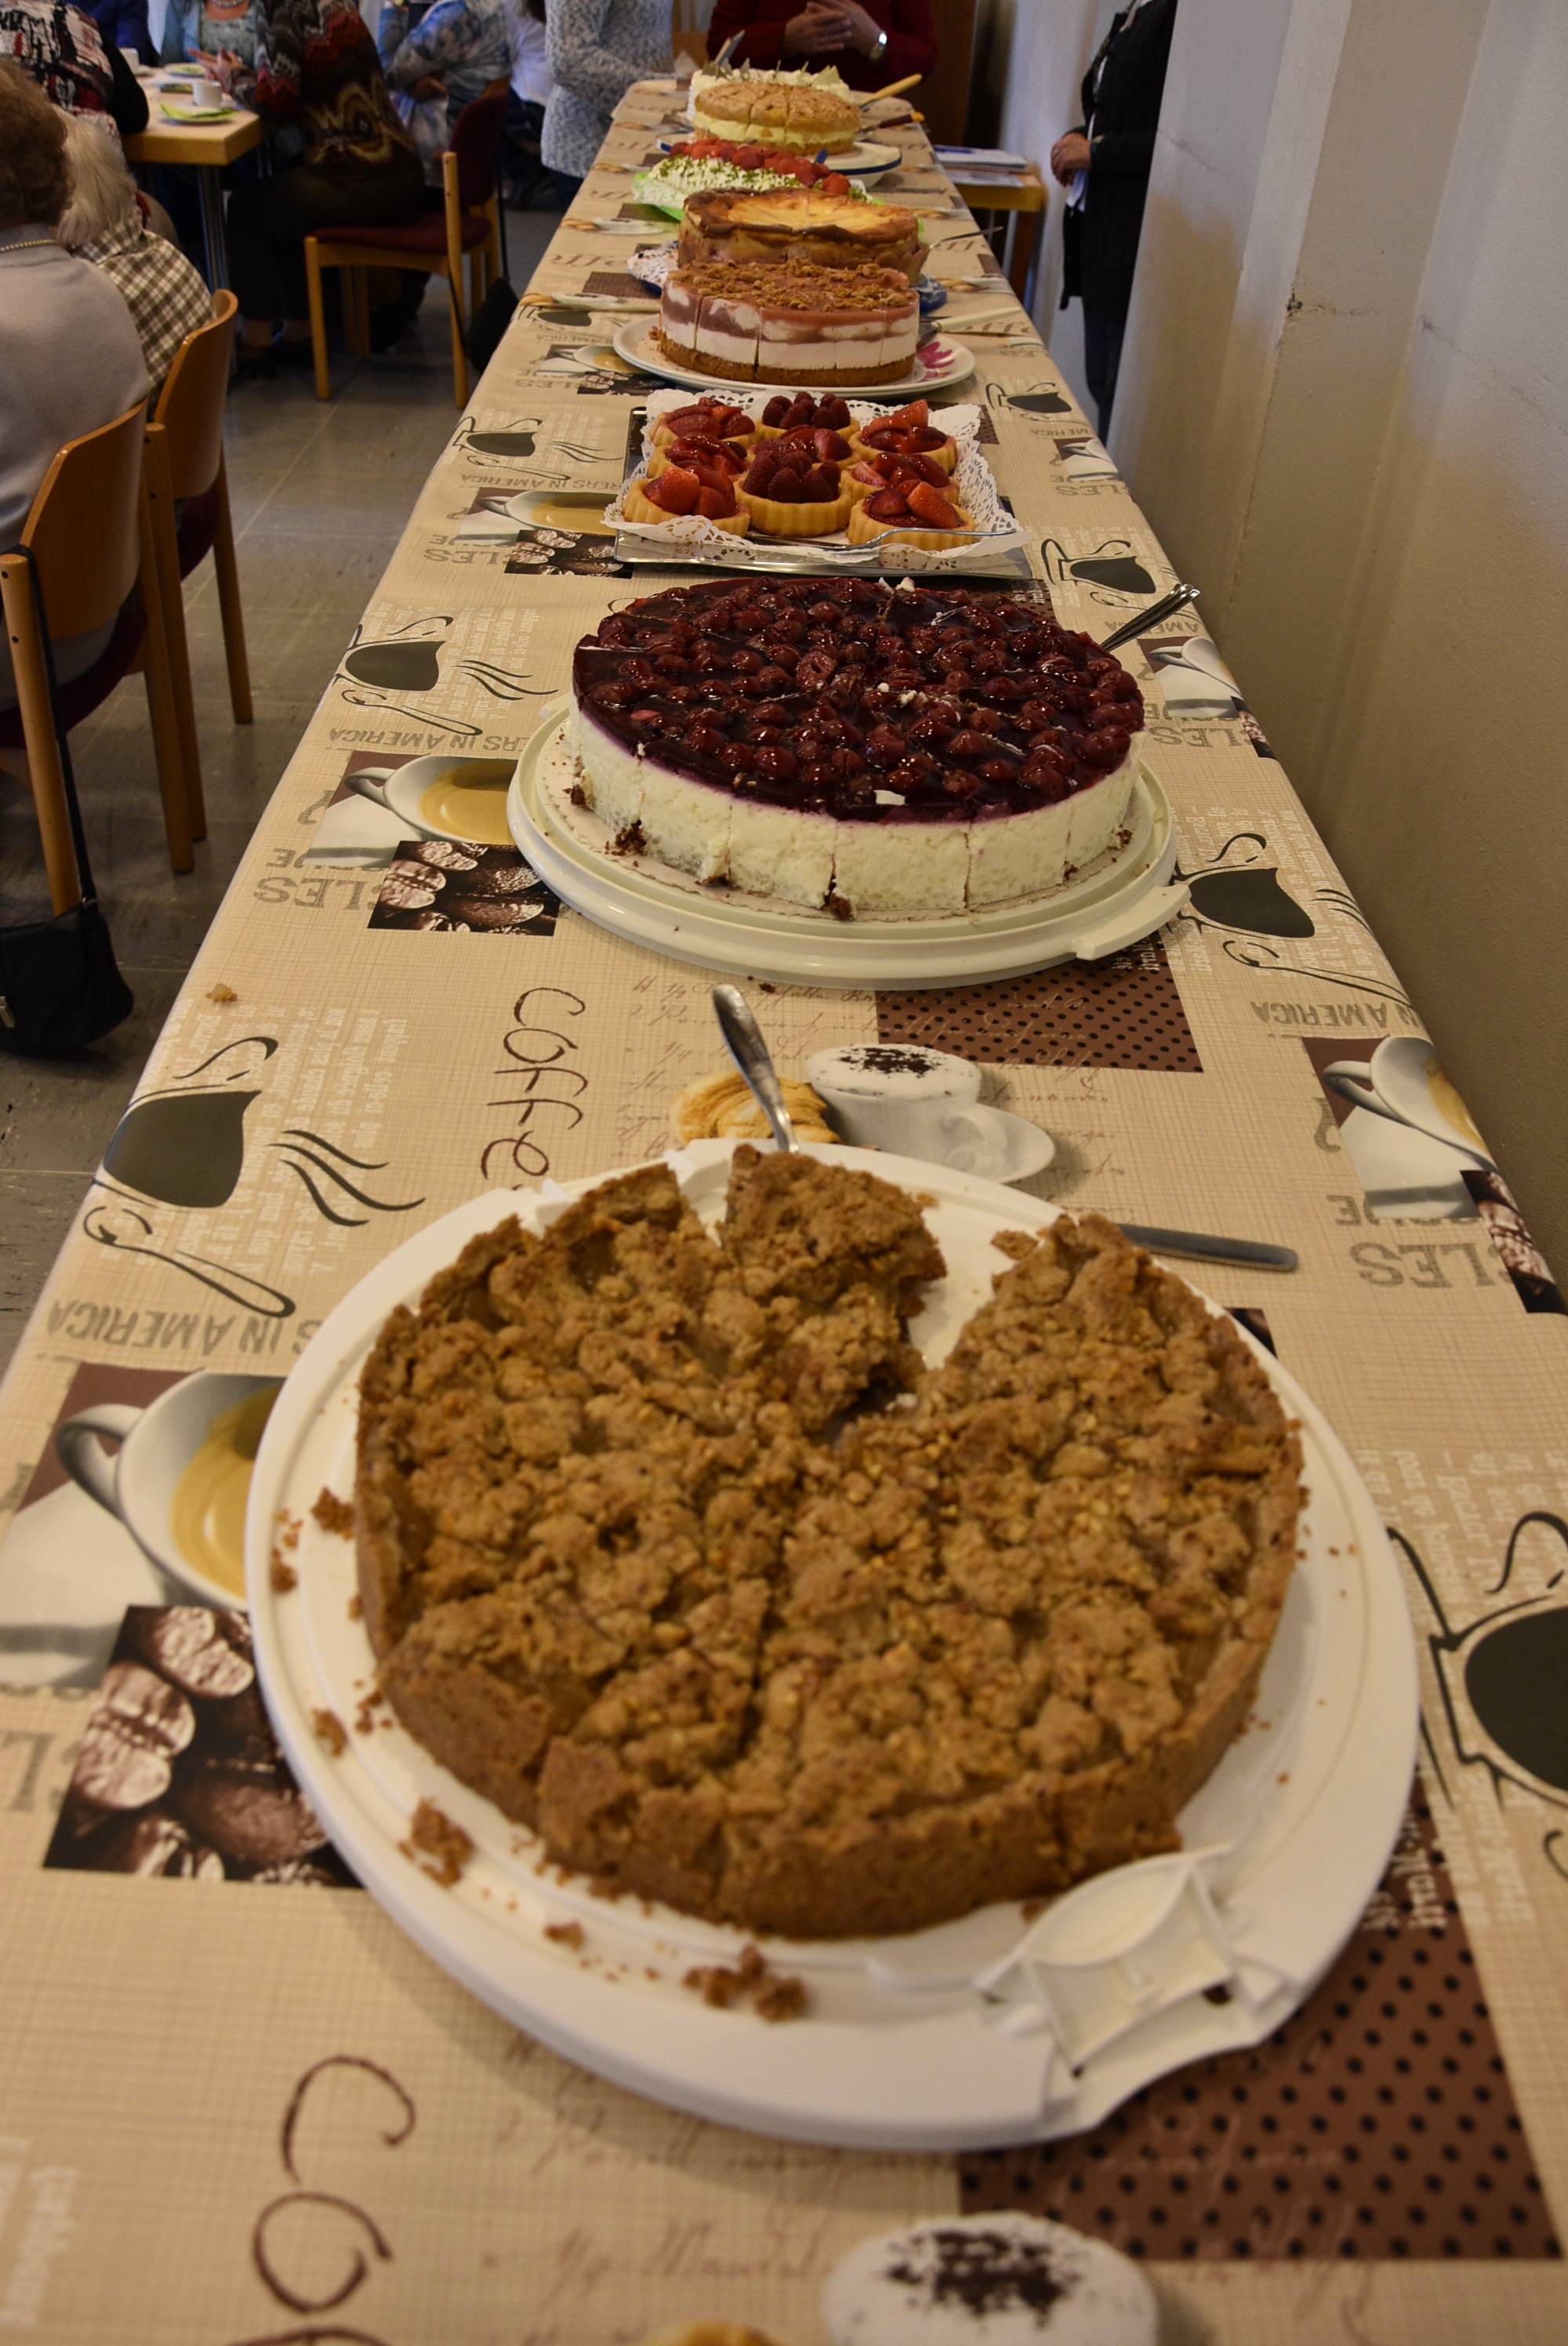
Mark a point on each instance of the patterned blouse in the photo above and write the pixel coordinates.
(464, 41)
(165, 296)
(61, 49)
(316, 65)
(597, 49)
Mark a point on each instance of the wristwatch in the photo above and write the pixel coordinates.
(880, 50)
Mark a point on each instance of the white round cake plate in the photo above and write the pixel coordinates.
(1117, 901)
(635, 344)
(899, 2048)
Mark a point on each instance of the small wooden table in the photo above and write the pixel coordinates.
(984, 195)
(206, 147)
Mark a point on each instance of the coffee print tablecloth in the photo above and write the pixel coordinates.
(236, 2104)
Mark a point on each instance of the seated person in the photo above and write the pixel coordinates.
(73, 362)
(196, 31)
(451, 57)
(596, 49)
(123, 24)
(103, 223)
(522, 171)
(316, 66)
(870, 44)
(61, 49)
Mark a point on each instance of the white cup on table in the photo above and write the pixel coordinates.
(206, 93)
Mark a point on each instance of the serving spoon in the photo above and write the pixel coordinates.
(752, 1055)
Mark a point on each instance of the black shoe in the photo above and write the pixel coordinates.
(255, 365)
(391, 320)
(295, 353)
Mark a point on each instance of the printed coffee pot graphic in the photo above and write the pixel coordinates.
(1029, 402)
(1504, 1679)
(516, 442)
(397, 667)
(186, 1146)
(1248, 895)
(1113, 565)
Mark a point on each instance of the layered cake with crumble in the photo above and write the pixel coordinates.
(647, 1558)
(801, 224)
(841, 743)
(789, 321)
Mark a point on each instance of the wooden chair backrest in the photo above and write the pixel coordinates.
(190, 404)
(84, 523)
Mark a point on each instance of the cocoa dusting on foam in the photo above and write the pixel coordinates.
(985, 2272)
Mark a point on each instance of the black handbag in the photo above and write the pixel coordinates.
(60, 984)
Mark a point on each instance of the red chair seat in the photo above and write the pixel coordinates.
(87, 691)
(427, 233)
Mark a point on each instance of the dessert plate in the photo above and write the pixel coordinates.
(990, 2030)
(939, 363)
(1112, 905)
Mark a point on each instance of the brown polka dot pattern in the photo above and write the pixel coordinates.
(616, 281)
(1123, 1012)
(1378, 2122)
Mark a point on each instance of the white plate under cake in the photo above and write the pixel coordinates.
(838, 742)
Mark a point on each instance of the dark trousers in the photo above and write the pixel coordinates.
(269, 219)
(1103, 334)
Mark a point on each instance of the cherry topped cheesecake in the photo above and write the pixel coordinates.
(842, 743)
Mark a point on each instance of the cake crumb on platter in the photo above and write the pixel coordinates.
(333, 1515)
(439, 1847)
(330, 1731)
(773, 1995)
(566, 1935)
(282, 1576)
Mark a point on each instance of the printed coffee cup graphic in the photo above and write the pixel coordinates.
(180, 1481)
(1404, 1083)
(396, 668)
(186, 1148)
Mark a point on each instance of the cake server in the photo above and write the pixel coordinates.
(1166, 608)
(752, 1055)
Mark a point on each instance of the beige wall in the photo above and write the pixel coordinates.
(1344, 406)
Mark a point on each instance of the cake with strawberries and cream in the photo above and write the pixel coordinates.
(795, 321)
(841, 743)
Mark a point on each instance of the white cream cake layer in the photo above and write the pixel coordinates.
(782, 851)
(878, 868)
(902, 867)
(1025, 854)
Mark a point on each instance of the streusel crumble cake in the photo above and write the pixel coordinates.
(671, 1545)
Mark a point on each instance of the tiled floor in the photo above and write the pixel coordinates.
(320, 494)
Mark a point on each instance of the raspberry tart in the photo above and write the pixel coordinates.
(845, 744)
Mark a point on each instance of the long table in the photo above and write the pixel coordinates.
(232, 2110)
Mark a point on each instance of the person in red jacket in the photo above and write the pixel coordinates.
(870, 44)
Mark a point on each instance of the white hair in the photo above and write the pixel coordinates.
(103, 193)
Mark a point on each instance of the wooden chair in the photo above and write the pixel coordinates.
(185, 465)
(465, 227)
(90, 532)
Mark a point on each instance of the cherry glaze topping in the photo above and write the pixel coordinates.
(818, 693)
